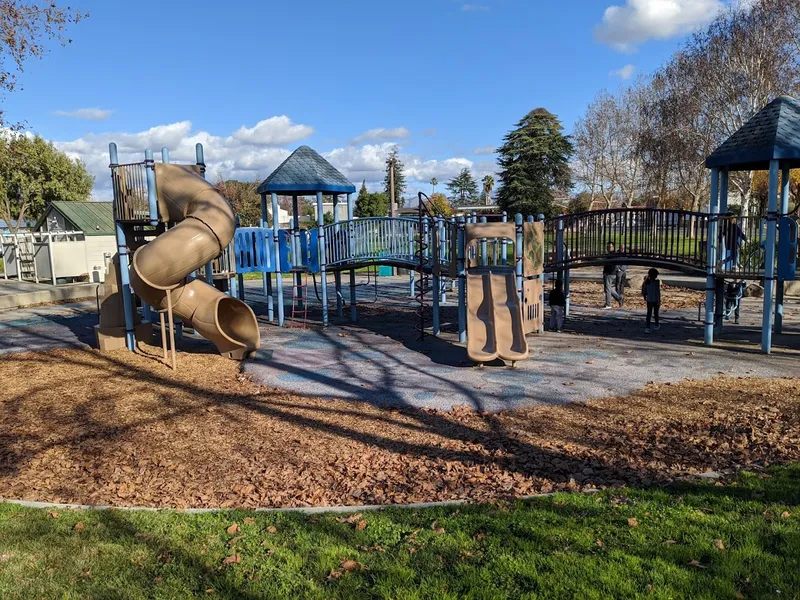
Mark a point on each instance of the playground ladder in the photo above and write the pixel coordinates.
(300, 299)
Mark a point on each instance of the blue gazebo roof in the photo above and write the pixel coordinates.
(771, 134)
(305, 173)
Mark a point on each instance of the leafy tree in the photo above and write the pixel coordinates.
(438, 204)
(33, 173)
(245, 200)
(579, 203)
(534, 161)
(370, 204)
(399, 176)
(434, 183)
(488, 186)
(25, 27)
(463, 187)
(327, 218)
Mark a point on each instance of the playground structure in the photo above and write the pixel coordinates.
(500, 293)
(176, 224)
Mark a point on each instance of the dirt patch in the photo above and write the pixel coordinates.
(588, 293)
(83, 427)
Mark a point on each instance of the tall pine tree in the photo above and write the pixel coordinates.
(370, 205)
(463, 187)
(399, 176)
(534, 162)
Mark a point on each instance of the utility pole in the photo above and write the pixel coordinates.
(392, 205)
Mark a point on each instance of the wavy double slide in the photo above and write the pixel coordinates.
(494, 318)
(205, 228)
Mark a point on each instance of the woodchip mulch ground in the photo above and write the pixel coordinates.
(589, 293)
(122, 429)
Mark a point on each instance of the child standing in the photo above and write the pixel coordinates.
(558, 306)
(651, 291)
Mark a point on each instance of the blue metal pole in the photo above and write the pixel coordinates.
(276, 258)
(351, 248)
(152, 200)
(265, 277)
(237, 279)
(337, 276)
(719, 292)
(462, 282)
(411, 251)
(441, 230)
(560, 247)
(540, 217)
(504, 243)
(322, 260)
(122, 251)
(711, 257)
(201, 162)
(484, 248)
(783, 210)
(518, 253)
(769, 264)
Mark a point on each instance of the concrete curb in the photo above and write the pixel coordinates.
(65, 293)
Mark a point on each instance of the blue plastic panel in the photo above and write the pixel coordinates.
(787, 249)
(253, 247)
(285, 249)
(309, 246)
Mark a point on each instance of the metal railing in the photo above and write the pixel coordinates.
(129, 183)
(666, 237)
(387, 240)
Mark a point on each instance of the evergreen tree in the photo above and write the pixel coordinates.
(399, 176)
(463, 187)
(534, 161)
(370, 205)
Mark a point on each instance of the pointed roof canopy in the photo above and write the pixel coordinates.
(771, 134)
(305, 173)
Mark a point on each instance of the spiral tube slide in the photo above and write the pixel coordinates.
(205, 227)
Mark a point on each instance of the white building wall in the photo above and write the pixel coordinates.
(96, 247)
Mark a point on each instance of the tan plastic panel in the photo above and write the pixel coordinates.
(494, 318)
(532, 248)
(532, 309)
(476, 231)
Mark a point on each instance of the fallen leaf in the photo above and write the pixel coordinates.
(233, 529)
(589, 362)
(232, 559)
(210, 591)
(740, 596)
(86, 573)
(719, 544)
(334, 575)
(350, 565)
(439, 530)
(79, 526)
(249, 521)
(696, 564)
(272, 529)
(236, 539)
(54, 514)
(669, 542)
(361, 525)
(633, 522)
(785, 514)
(480, 536)
(599, 543)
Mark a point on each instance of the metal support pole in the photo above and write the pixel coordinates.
(322, 260)
(719, 304)
(440, 233)
(711, 257)
(351, 249)
(201, 162)
(337, 276)
(265, 276)
(433, 233)
(560, 247)
(484, 248)
(412, 282)
(518, 252)
(276, 255)
(152, 199)
(151, 190)
(124, 276)
(504, 243)
(769, 264)
(540, 217)
(51, 258)
(783, 209)
(462, 281)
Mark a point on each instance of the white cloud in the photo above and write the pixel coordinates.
(246, 155)
(380, 134)
(637, 21)
(484, 150)
(474, 7)
(87, 114)
(275, 131)
(624, 73)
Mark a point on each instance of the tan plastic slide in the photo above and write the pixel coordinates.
(205, 227)
(494, 317)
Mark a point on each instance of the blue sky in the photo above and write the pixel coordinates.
(252, 80)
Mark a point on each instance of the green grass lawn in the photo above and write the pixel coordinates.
(690, 541)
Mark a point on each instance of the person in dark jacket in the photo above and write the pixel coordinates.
(651, 292)
(610, 279)
(621, 276)
(558, 306)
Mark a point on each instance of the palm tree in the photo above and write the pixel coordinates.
(434, 183)
(488, 185)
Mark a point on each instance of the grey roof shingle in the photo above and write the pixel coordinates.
(305, 172)
(771, 134)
